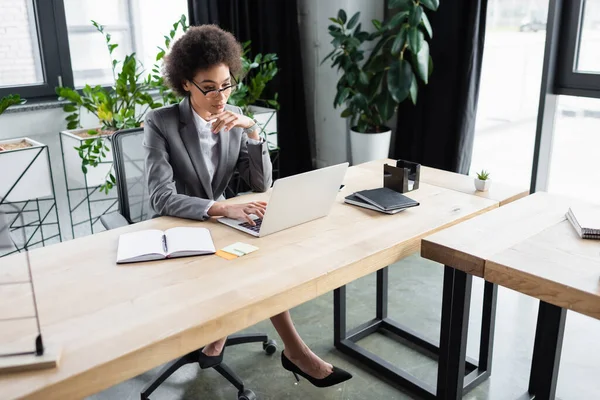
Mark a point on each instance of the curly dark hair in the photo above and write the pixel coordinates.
(201, 47)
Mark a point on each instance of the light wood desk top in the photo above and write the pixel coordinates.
(527, 246)
(114, 322)
(555, 266)
(499, 191)
(467, 246)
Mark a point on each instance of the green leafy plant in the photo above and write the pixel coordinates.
(257, 72)
(373, 88)
(155, 80)
(483, 175)
(121, 106)
(10, 100)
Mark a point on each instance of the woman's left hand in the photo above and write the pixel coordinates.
(228, 119)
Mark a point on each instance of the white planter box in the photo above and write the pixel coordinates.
(95, 176)
(369, 146)
(25, 172)
(267, 120)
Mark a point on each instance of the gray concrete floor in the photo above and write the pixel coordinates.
(414, 300)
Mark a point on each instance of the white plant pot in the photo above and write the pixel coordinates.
(95, 176)
(25, 172)
(369, 146)
(482, 186)
(266, 118)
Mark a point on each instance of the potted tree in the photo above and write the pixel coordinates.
(87, 156)
(121, 106)
(371, 89)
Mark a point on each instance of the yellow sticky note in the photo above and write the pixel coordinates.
(226, 255)
(244, 247)
(231, 249)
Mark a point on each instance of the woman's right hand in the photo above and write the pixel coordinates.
(239, 211)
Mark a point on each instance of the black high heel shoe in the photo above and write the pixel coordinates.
(210, 361)
(337, 376)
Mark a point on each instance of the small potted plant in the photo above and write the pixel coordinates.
(482, 181)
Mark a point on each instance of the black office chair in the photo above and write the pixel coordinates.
(134, 206)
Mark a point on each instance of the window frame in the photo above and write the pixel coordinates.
(568, 80)
(51, 30)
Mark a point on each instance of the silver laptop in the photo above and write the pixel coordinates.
(295, 200)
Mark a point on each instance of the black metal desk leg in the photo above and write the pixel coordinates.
(453, 333)
(546, 351)
(488, 322)
(339, 316)
(382, 293)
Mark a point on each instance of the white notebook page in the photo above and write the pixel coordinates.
(189, 240)
(142, 243)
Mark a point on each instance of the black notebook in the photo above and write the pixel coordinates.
(357, 201)
(386, 199)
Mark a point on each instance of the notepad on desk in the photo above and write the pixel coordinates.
(152, 244)
(357, 201)
(386, 199)
(585, 220)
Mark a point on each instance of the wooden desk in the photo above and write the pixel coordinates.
(530, 247)
(114, 322)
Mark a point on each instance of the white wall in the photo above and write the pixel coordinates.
(329, 129)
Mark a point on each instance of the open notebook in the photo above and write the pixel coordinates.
(153, 244)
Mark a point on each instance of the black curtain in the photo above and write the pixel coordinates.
(439, 130)
(272, 26)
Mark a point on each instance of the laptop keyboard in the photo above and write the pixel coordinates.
(256, 228)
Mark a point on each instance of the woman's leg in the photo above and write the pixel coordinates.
(296, 350)
(215, 348)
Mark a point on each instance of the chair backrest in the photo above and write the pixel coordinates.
(130, 173)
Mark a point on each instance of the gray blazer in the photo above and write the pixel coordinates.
(178, 183)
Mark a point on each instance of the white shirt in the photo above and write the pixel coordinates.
(209, 148)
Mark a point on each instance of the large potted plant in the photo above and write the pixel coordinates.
(371, 89)
(257, 72)
(121, 106)
(87, 155)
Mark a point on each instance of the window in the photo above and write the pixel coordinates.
(20, 58)
(574, 170)
(588, 57)
(578, 64)
(44, 43)
(30, 54)
(513, 56)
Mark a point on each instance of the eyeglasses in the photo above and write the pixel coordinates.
(213, 93)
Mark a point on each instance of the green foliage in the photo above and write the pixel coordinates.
(10, 100)
(257, 73)
(371, 89)
(483, 175)
(121, 106)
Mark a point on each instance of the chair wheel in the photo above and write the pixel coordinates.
(270, 346)
(247, 394)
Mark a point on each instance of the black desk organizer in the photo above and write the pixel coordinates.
(402, 178)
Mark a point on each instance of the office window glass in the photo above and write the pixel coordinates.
(135, 25)
(574, 169)
(510, 88)
(588, 57)
(20, 60)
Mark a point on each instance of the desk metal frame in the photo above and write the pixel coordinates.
(457, 373)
